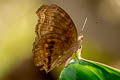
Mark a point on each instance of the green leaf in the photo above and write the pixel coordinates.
(81, 69)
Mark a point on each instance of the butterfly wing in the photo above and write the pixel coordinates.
(56, 34)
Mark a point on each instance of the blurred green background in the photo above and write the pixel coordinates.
(17, 25)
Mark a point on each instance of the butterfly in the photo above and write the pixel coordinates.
(56, 37)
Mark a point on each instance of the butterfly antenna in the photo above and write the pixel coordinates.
(80, 38)
(84, 25)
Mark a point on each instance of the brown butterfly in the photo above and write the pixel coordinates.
(56, 37)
